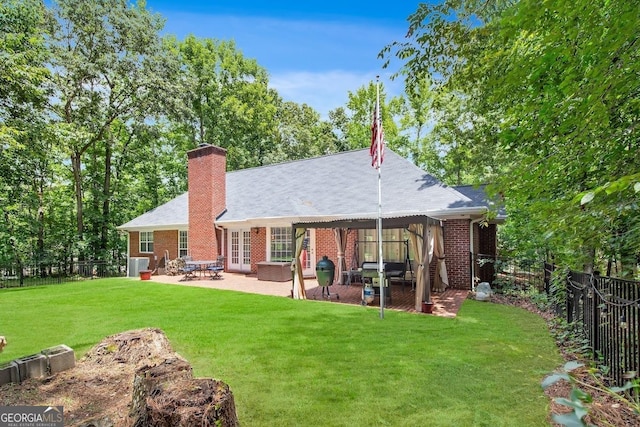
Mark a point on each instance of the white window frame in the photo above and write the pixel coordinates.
(183, 243)
(280, 235)
(393, 248)
(146, 242)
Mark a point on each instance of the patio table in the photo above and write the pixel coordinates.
(200, 266)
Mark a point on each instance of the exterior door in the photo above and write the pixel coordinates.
(239, 258)
(308, 256)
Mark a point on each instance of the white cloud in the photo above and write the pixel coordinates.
(327, 90)
(323, 91)
(316, 62)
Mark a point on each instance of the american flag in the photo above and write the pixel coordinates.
(377, 138)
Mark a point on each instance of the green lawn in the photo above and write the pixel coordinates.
(292, 363)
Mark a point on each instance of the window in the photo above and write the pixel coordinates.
(281, 244)
(246, 248)
(146, 241)
(395, 244)
(183, 243)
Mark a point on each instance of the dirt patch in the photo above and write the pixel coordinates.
(97, 392)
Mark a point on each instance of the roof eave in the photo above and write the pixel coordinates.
(164, 227)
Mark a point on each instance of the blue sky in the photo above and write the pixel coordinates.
(315, 51)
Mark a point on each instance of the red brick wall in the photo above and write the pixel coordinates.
(207, 199)
(258, 247)
(456, 249)
(134, 248)
(165, 239)
(325, 245)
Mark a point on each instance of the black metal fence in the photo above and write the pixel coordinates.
(510, 273)
(53, 273)
(606, 310)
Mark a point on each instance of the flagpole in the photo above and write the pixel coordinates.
(379, 224)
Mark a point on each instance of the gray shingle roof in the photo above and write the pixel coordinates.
(342, 185)
(171, 215)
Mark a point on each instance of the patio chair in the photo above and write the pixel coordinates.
(187, 270)
(216, 268)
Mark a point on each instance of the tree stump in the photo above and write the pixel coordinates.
(166, 395)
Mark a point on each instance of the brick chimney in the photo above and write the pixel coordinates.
(207, 169)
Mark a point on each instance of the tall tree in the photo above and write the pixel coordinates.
(108, 65)
(301, 133)
(357, 119)
(227, 101)
(414, 111)
(24, 154)
(551, 92)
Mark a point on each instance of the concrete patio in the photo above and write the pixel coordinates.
(446, 303)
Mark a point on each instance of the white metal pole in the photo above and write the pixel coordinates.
(379, 225)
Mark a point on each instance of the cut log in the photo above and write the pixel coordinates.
(166, 395)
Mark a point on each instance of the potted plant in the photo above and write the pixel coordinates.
(427, 306)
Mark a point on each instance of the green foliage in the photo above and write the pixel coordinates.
(24, 151)
(579, 399)
(540, 100)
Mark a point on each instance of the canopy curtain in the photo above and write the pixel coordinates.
(296, 266)
(440, 280)
(419, 235)
(341, 244)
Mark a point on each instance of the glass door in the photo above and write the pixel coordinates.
(239, 258)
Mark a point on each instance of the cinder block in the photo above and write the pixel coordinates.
(34, 366)
(59, 358)
(9, 373)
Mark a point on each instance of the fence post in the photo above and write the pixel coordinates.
(595, 325)
(569, 297)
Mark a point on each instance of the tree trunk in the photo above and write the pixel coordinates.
(76, 164)
(106, 197)
(167, 395)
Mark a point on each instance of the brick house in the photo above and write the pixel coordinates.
(250, 216)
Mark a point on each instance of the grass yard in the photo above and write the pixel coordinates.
(312, 363)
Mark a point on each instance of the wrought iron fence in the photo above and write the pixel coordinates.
(606, 311)
(510, 273)
(53, 273)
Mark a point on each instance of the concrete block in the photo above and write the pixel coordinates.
(34, 366)
(9, 373)
(59, 358)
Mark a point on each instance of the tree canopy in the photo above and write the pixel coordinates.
(541, 101)
(97, 106)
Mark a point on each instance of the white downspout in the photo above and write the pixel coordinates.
(223, 247)
(128, 251)
(473, 267)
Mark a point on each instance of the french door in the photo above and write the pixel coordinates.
(239, 258)
(308, 258)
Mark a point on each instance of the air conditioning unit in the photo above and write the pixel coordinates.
(137, 264)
